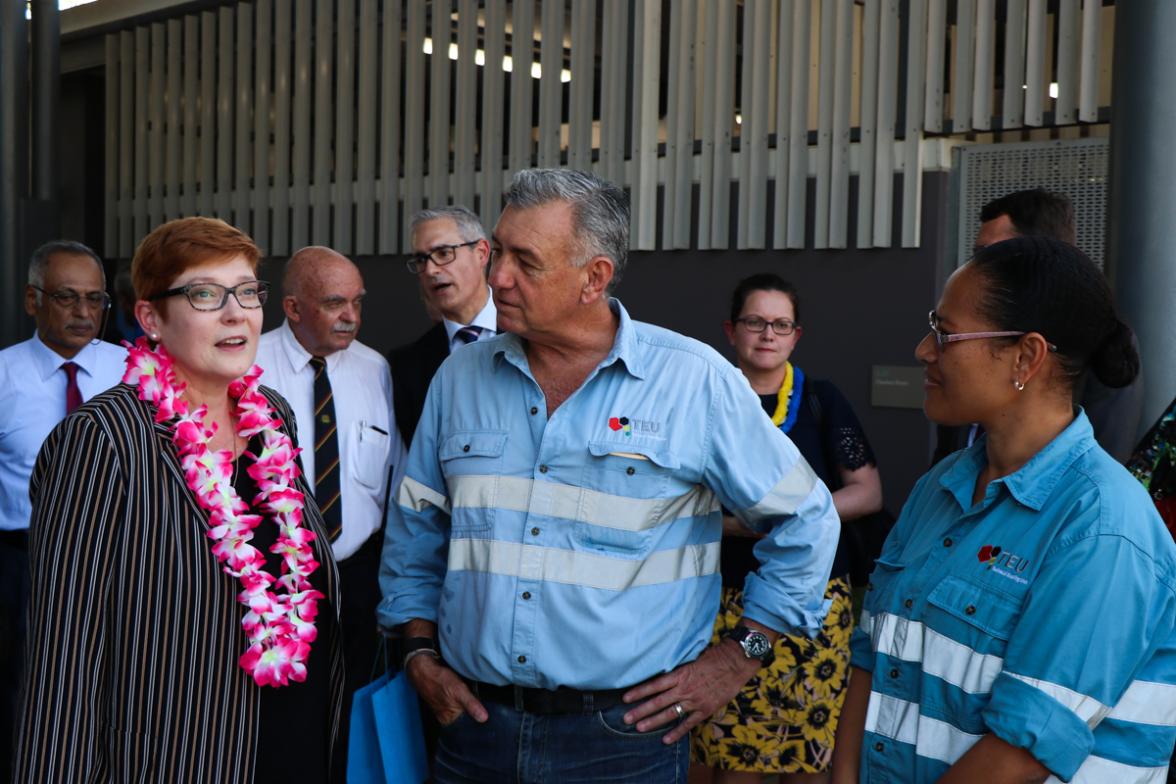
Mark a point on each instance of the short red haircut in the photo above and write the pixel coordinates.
(181, 244)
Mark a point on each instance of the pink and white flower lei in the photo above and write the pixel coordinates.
(278, 625)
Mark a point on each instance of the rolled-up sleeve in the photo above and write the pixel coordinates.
(416, 537)
(1080, 657)
(759, 474)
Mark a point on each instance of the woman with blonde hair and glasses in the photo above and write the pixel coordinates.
(1022, 618)
(184, 615)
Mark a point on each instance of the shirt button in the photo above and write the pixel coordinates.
(522, 660)
(908, 603)
(878, 747)
(894, 673)
(534, 410)
(630, 470)
(526, 594)
(534, 532)
(970, 609)
(465, 448)
(947, 542)
(543, 469)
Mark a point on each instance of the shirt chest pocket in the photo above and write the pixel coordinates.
(471, 461)
(371, 456)
(624, 497)
(977, 622)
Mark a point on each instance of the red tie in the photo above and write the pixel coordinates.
(73, 395)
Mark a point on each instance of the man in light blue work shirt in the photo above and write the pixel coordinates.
(558, 525)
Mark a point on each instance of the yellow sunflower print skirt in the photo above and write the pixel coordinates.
(784, 719)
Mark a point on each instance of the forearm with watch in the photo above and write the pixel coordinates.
(754, 643)
(420, 639)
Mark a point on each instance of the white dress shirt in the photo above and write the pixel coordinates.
(32, 402)
(370, 447)
(487, 319)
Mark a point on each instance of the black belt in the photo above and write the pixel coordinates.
(547, 701)
(17, 539)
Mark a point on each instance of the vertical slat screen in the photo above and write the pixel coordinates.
(798, 123)
(261, 126)
(1088, 79)
(242, 214)
(827, 56)
(466, 104)
(753, 135)
(345, 107)
(390, 70)
(191, 101)
(1013, 99)
(493, 96)
(300, 164)
(322, 124)
(1036, 83)
(887, 112)
(368, 97)
(842, 94)
(171, 174)
(912, 177)
(110, 201)
(522, 47)
(155, 115)
(869, 123)
(414, 115)
(647, 34)
(284, 76)
(326, 121)
(982, 70)
(439, 105)
(783, 33)
(226, 54)
(964, 47)
(551, 51)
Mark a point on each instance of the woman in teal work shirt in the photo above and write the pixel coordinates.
(1020, 622)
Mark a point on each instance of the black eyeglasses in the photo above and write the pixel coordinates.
(68, 298)
(757, 324)
(211, 296)
(440, 255)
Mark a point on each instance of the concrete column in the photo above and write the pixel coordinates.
(1141, 244)
(13, 165)
(46, 78)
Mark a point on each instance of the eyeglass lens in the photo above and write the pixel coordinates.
(211, 296)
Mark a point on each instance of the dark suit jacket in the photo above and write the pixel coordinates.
(413, 367)
(134, 627)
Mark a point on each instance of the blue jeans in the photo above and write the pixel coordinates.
(527, 748)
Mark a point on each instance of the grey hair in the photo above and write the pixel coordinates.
(600, 210)
(39, 263)
(469, 227)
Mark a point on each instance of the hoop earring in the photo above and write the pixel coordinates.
(1019, 384)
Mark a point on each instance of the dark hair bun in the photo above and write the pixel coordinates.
(1116, 361)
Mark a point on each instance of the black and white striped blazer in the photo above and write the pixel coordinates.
(134, 629)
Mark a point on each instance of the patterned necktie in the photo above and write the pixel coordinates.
(73, 395)
(468, 335)
(326, 451)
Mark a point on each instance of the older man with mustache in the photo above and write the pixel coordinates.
(41, 380)
(341, 393)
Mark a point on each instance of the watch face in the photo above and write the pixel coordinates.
(757, 645)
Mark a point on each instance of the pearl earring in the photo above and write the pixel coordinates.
(1019, 384)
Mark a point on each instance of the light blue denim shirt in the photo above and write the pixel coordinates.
(1044, 614)
(583, 550)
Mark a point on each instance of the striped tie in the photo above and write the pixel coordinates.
(468, 335)
(326, 451)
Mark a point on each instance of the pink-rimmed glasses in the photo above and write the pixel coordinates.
(943, 338)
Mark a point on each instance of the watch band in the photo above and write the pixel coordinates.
(415, 646)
